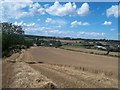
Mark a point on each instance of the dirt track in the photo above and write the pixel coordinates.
(45, 67)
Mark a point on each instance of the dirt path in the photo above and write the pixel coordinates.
(38, 68)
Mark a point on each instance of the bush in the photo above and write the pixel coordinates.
(28, 43)
(13, 39)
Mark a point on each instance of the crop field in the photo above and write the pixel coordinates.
(58, 45)
(48, 67)
(90, 51)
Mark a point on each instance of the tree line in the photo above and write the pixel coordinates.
(13, 39)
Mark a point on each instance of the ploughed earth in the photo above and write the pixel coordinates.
(48, 67)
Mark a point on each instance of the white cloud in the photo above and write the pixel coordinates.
(57, 26)
(55, 21)
(61, 10)
(83, 10)
(14, 10)
(2, 17)
(49, 20)
(113, 11)
(17, 11)
(36, 5)
(107, 23)
(46, 5)
(76, 23)
(92, 33)
(18, 23)
(24, 24)
(36, 9)
(17, 0)
(29, 25)
(50, 31)
(41, 11)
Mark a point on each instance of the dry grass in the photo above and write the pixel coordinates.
(90, 70)
(91, 78)
(27, 77)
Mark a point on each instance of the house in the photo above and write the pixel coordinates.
(100, 47)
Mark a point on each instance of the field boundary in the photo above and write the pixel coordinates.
(91, 52)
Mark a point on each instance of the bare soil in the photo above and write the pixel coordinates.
(46, 67)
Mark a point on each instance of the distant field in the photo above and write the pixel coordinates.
(89, 50)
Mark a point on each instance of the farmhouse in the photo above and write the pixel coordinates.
(100, 47)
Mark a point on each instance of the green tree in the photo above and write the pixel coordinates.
(12, 37)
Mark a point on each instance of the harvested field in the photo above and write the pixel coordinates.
(20, 75)
(47, 67)
(66, 76)
(65, 57)
(90, 51)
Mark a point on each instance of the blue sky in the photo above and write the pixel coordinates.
(98, 20)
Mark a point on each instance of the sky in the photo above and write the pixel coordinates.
(92, 20)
